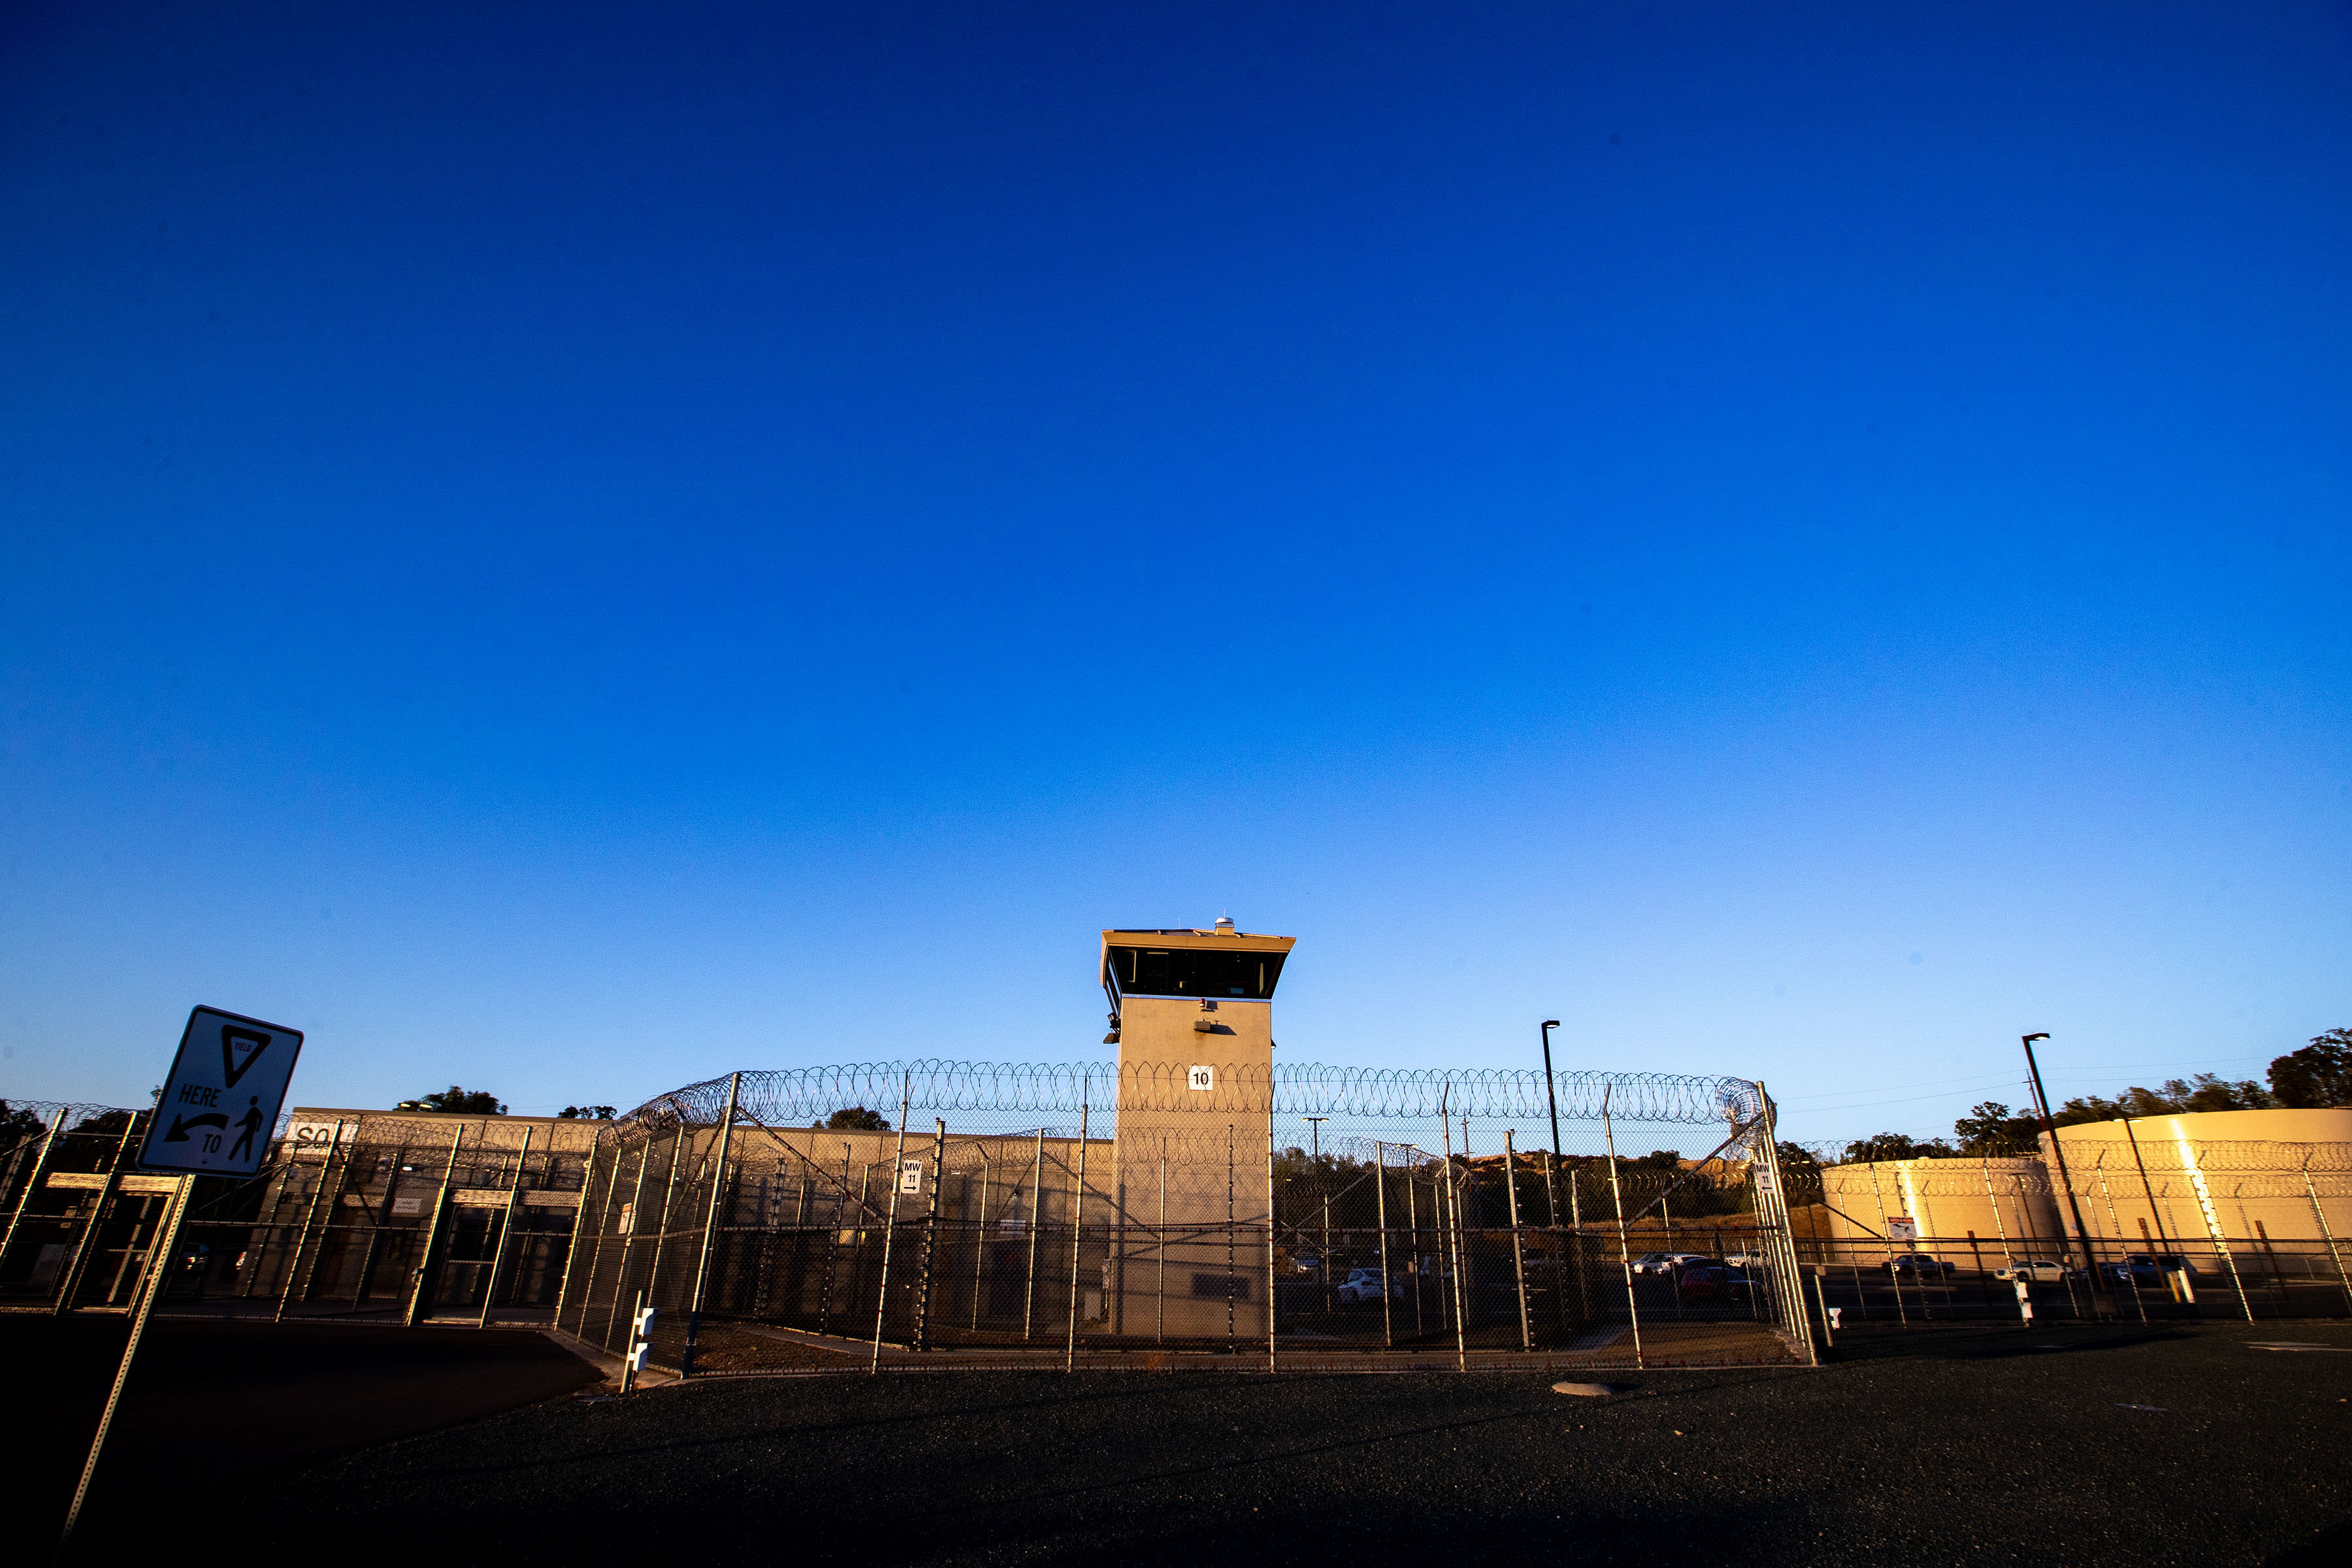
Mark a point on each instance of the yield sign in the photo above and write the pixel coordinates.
(220, 1103)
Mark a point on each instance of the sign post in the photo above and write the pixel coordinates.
(189, 1133)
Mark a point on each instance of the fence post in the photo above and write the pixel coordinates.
(1999, 1225)
(294, 1266)
(2213, 1224)
(1519, 1254)
(1895, 1275)
(890, 1224)
(2145, 1185)
(2131, 1275)
(833, 1238)
(678, 1142)
(930, 1239)
(506, 1231)
(709, 1228)
(2270, 1254)
(1617, 1199)
(1380, 1191)
(579, 1220)
(1784, 1252)
(1232, 1278)
(1037, 1223)
(2325, 1235)
(98, 1205)
(980, 1239)
(156, 1281)
(423, 1279)
(1078, 1227)
(1159, 1234)
(1413, 1228)
(1269, 1240)
(636, 1211)
(1450, 1217)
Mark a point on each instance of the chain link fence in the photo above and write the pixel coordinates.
(2138, 1227)
(939, 1213)
(402, 1217)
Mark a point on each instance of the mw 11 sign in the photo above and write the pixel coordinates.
(223, 1096)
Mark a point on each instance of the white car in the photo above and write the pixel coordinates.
(2040, 1271)
(1364, 1285)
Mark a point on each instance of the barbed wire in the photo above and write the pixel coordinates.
(934, 1087)
(75, 1109)
(2156, 1153)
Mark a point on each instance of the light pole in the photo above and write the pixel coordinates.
(1552, 1186)
(2058, 1153)
(1323, 1262)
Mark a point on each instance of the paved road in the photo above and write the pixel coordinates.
(1951, 1445)
(1966, 1444)
(211, 1406)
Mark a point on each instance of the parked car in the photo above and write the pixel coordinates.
(2038, 1270)
(1715, 1283)
(1364, 1285)
(1917, 1264)
(1670, 1262)
(1744, 1260)
(2149, 1267)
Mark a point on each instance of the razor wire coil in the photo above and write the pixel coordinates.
(791, 1096)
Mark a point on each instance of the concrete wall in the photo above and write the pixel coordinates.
(2241, 1171)
(1213, 1143)
(2005, 1202)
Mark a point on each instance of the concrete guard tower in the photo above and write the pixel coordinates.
(1192, 1015)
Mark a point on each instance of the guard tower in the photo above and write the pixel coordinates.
(1192, 1015)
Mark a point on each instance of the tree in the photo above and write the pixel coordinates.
(1896, 1146)
(1989, 1128)
(2205, 1091)
(584, 1113)
(464, 1102)
(855, 1119)
(2318, 1076)
(1796, 1160)
(17, 1124)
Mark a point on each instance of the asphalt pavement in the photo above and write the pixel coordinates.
(2170, 1444)
(2161, 1445)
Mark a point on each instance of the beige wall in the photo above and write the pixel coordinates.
(310, 1126)
(2241, 1171)
(2005, 1202)
(1161, 1117)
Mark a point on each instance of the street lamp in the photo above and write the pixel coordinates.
(2058, 1153)
(1551, 1188)
(1323, 1263)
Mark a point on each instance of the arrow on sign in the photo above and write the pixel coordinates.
(179, 1132)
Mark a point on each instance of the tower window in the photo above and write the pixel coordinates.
(1195, 971)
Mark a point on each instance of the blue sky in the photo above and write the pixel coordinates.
(571, 551)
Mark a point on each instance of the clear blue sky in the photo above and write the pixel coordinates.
(570, 551)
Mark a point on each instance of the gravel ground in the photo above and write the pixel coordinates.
(1949, 1445)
